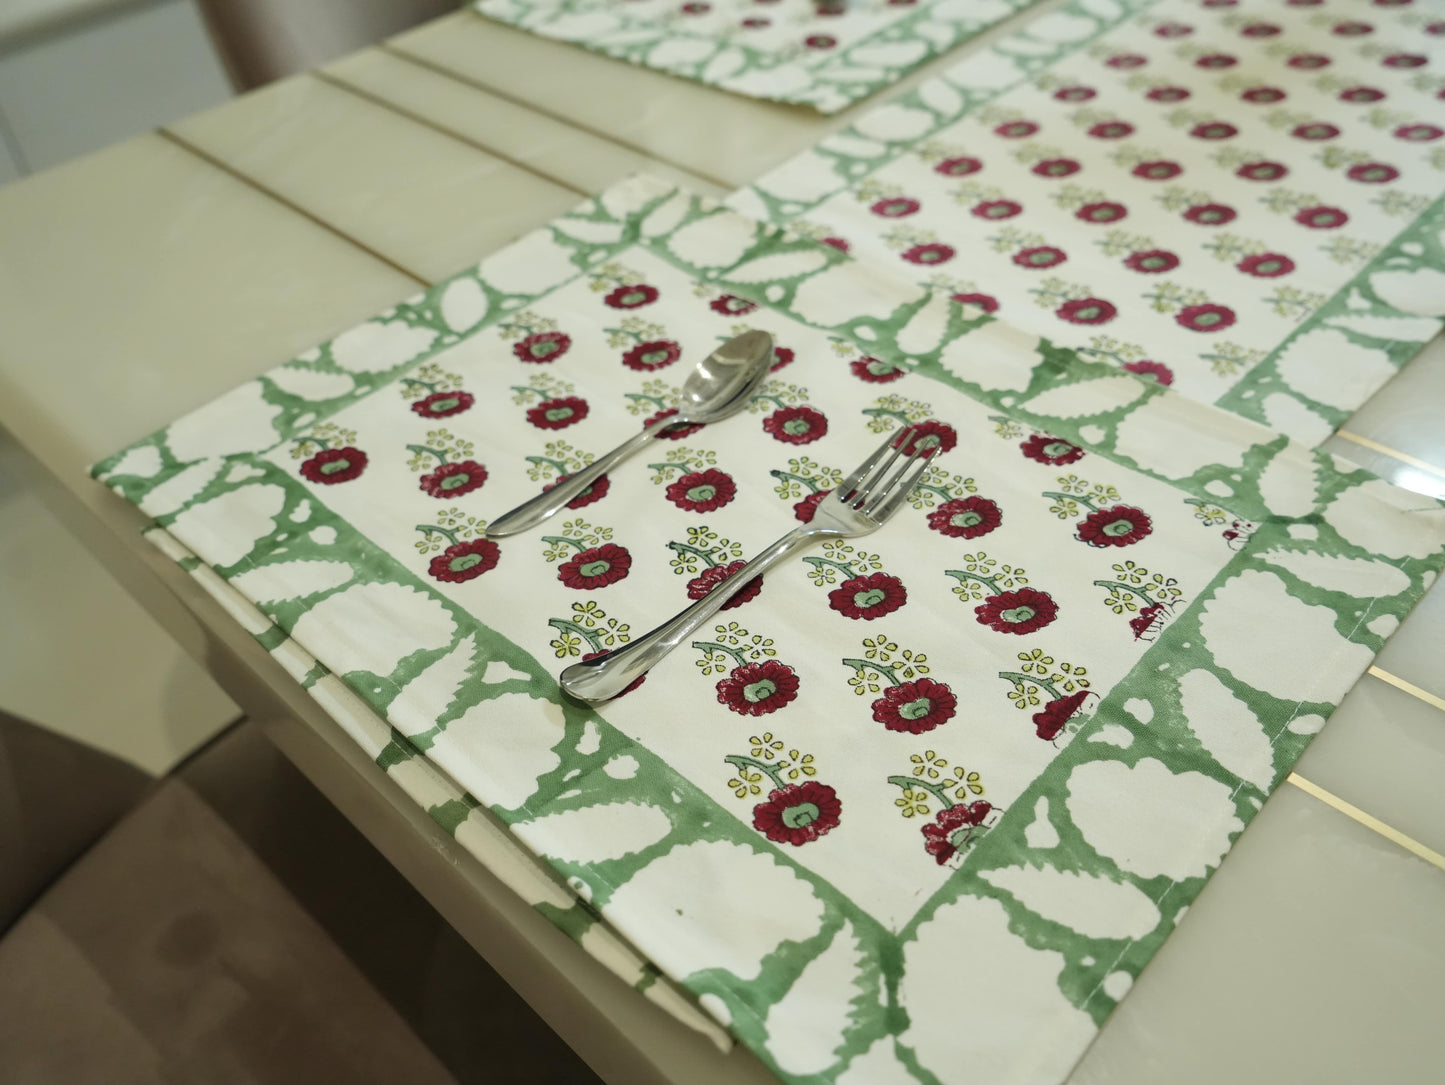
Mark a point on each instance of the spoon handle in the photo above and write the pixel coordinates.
(533, 511)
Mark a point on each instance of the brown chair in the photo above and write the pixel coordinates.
(262, 40)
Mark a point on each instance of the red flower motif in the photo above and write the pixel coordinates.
(1086, 311)
(732, 305)
(1356, 95)
(951, 829)
(875, 370)
(1075, 94)
(1419, 133)
(1160, 372)
(1309, 61)
(798, 813)
(1111, 130)
(1152, 262)
(930, 434)
(1056, 714)
(1145, 619)
(1051, 450)
(1173, 30)
(781, 356)
(542, 347)
(796, 425)
(1016, 129)
(997, 209)
(805, 508)
(454, 479)
(675, 432)
(1056, 167)
(1205, 318)
(1022, 611)
(696, 8)
(1214, 130)
(441, 404)
(756, 23)
(594, 493)
(631, 297)
(465, 561)
(558, 413)
(820, 41)
(333, 465)
(1103, 211)
(1266, 265)
(915, 707)
(1210, 214)
(1372, 173)
(1038, 257)
(1314, 131)
(652, 355)
(1158, 170)
(987, 302)
(756, 689)
(868, 597)
(1405, 60)
(1321, 218)
(596, 568)
(836, 242)
(1352, 29)
(1168, 94)
(1126, 61)
(1259, 30)
(702, 491)
(1263, 95)
(1260, 171)
(896, 207)
(965, 517)
(708, 579)
(929, 254)
(1121, 525)
(1216, 61)
(961, 166)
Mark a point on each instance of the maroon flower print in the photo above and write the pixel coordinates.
(732, 305)
(1419, 133)
(1111, 130)
(441, 404)
(714, 575)
(1126, 61)
(1021, 611)
(465, 561)
(1038, 257)
(454, 479)
(1086, 311)
(875, 370)
(915, 707)
(1075, 94)
(961, 166)
(805, 509)
(1121, 525)
(1352, 29)
(1214, 130)
(1216, 61)
(675, 432)
(934, 253)
(987, 302)
(1051, 450)
(1266, 265)
(868, 597)
(1315, 131)
(1016, 129)
(558, 413)
(595, 492)
(1056, 167)
(1358, 95)
(757, 689)
(796, 425)
(333, 465)
(542, 347)
(1057, 713)
(702, 491)
(631, 297)
(1168, 94)
(696, 8)
(1405, 60)
(798, 813)
(1152, 262)
(836, 242)
(895, 207)
(1102, 211)
(966, 517)
(1210, 214)
(820, 41)
(781, 356)
(1309, 61)
(655, 354)
(930, 434)
(596, 567)
(951, 829)
(1205, 318)
(1261, 171)
(1158, 170)
(1263, 95)
(1321, 218)
(1372, 173)
(1173, 30)
(997, 209)
(1145, 619)
(1259, 30)
(1160, 372)
(756, 23)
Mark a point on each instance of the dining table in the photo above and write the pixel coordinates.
(146, 280)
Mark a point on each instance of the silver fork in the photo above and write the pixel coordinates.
(861, 504)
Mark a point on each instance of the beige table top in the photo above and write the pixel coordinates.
(142, 281)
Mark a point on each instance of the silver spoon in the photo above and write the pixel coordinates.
(720, 386)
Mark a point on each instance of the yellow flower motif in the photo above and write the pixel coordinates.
(913, 803)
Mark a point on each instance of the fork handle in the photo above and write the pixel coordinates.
(608, 675)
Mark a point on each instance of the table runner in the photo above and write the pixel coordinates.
(984, 758)
(1243, 201)
(827, 54)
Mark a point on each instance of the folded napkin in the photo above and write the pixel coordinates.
(823, 53)
(1244, 203)
(985, 757)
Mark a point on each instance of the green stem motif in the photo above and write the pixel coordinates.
(636, 337)
(548, 461)
(942, 491)
(888, 412)
(960, 575)
(938, 791)
(565, 626)
(842, 566)
(813, 485)
(714, 646)
(1079, 498)
(744, 762)
(1020, 679)
(768, 397)
(436, 529)
(430, 386)
(554, 539)
(862, 666)
(1121, 586)
(637, 397)
(704, 555)
(424, 450)
(664, 468)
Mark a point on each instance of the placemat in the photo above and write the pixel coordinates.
(1241, 201)
(825, 54)
(983, 758)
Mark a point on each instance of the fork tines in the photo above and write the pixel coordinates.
(862, 484)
